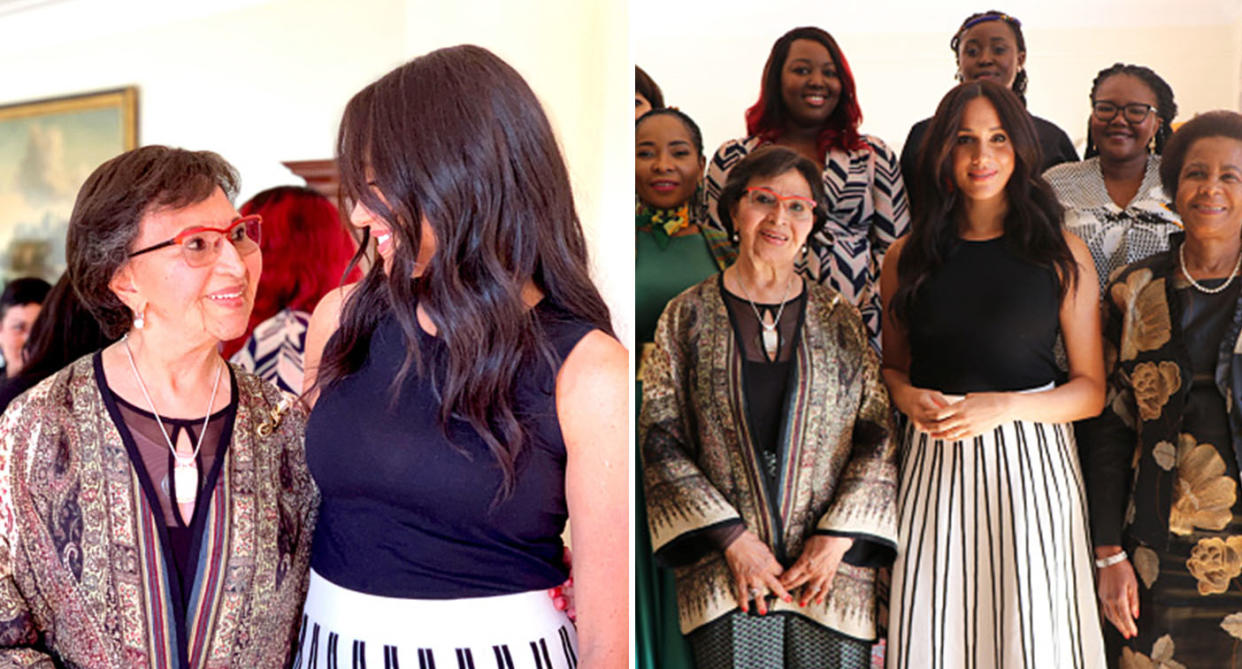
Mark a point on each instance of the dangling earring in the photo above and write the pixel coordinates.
(737, 239)
(805, 250)
(140, 320)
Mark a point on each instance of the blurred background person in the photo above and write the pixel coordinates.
(64, 331)
(808, 102)
(305, 252)
(990, 45)
(1113, 199)
(1162, 459)
(647, 93)
(19, 307)
(674, 249)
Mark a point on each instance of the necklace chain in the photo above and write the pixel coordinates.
(775, 321)
(1181, 256)
(147, 396)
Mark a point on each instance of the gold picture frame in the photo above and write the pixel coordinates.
(47, 149)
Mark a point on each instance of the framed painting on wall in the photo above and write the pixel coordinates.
(47, 149)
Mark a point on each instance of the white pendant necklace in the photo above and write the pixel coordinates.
(769, 336)
(185, 469)
(1181, 256)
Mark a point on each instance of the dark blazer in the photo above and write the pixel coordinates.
(1136, 454)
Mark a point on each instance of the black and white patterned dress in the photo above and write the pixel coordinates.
(867, 211)
(274, 350)
(993, 563)
(1115, 236)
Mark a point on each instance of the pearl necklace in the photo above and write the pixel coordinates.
(185, 469)
(769, 337)
(1181, 256)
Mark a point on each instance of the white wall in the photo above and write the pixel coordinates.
(264, 81)
(710, 62)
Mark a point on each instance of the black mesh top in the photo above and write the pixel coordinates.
(986, 320)
(406, 513)
(148, 450)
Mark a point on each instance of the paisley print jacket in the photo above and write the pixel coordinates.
(838, 468)
(84, 578)
(1142, 470)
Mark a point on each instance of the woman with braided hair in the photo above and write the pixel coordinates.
(1113, 199)
(989, 45)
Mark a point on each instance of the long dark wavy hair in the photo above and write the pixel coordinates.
(456, 138)
(768, 117)
(1033, 223)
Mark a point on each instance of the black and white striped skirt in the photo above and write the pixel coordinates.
(342, 628)
(993, 566)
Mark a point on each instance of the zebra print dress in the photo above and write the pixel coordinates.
(867, 211)
(274, 350)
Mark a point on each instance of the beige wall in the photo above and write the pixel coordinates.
(262, 81)
(904, 69)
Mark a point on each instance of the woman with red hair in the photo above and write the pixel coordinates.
(305, 253)
(807, 102)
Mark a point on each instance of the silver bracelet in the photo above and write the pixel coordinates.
(1111, 560)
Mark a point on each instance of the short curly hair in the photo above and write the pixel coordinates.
(1220, 123)
(115, 197)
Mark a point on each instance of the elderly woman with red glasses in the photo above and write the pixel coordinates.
(155, 506)
(769, 469)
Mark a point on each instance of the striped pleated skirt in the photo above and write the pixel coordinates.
(345, 629)
(994, 566)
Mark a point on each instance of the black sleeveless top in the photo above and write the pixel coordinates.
(986, 320)
(406, 513)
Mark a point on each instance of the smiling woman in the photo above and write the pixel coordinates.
(674, 249)
(1162, 459)
(808, 103)
(734, 393)
(975, 297)
(150, 482)
(1113, 199)
(469, 397)
(989, 46)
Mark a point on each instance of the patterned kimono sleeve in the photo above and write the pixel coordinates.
(891, 218)
(19, 637)
(865, 503)
(688, 515)
(1107, 442)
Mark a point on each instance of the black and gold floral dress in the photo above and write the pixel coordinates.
(1162, 463)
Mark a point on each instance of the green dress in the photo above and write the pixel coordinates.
(665, 266)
